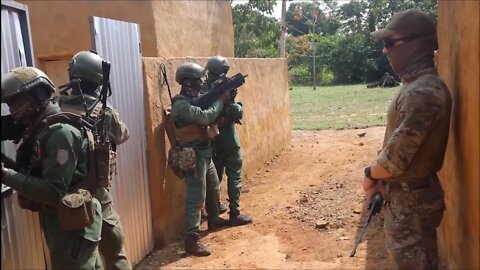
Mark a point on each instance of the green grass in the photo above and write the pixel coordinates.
(339, 107)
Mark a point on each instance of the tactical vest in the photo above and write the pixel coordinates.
(36, 155)
(189, 133)
(105, 154)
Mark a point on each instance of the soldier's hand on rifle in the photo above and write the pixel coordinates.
(234, 93)
(4, 170)
(226, 98)
(371, 187)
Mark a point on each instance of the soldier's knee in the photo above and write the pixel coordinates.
(410, 257)
(112, 240)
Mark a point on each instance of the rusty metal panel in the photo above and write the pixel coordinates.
(22, 240)
(119, 43)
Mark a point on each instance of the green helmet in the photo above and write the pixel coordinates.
(86, 65)
(26, 79)
(188, 70)
(217, 65)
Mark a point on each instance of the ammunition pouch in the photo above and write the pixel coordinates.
(103, 167)
(182, 160)
(76, 210)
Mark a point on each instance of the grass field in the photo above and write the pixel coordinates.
(339, 107)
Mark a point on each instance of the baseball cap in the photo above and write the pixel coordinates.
(411, 21)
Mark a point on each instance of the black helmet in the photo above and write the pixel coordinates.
(217, 65)
(27, 80)
(189, 70)
(87, 66)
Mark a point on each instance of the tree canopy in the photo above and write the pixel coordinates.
(337, 34)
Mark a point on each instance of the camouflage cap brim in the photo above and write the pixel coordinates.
(382, 34)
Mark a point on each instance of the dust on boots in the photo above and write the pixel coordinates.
(217, 223)
(239, 220)
(194, 247)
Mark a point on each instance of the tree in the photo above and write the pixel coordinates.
(305, 17)
(256, 35)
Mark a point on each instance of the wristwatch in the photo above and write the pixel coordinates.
(368, 174)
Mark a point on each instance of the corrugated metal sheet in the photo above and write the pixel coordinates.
(119, 43)
(22, 241)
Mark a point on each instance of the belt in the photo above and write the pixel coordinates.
(410, 185)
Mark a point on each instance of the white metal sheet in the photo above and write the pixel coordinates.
(119, 43)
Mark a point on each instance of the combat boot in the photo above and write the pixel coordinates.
(194, 247)
(222, 208)
(216, 223)
(238, 220)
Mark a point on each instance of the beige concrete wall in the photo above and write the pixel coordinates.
(62, 27)
(265, 130)
(458, 63)
(167, 28)
(193, 28)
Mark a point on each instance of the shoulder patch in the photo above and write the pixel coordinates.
(62, 156)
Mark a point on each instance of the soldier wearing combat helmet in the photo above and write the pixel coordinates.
(51, 161)
(86, 66)
(414, 146)
(227, 156)
(201, 182)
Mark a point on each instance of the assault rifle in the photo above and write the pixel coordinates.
(9, 163)
(11, 130)
(375, 205)
(104, 93)
(219, 87)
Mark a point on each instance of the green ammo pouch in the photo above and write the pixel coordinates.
(75, 210)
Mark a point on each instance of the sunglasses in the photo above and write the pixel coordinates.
(390, 42)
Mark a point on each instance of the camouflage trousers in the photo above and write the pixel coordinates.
(113, 240)
(230, 162)
(411, 219)
(201, 187)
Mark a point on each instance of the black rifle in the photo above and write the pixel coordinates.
(163, 69)
(104, 93)
(375, 205)
(11, 130)
(219, 87)
(9, 163)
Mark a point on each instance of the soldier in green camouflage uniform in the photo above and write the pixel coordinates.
(49, 166)
(202, 183)
(414, 147)
(87, 66)
(227, 156)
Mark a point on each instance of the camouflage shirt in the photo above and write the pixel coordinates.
(418, 126)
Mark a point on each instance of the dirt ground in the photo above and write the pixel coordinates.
(308, 209)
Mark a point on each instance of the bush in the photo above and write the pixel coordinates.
(326, 77)
(299, 75)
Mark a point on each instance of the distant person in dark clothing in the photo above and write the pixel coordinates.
(386, 81)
